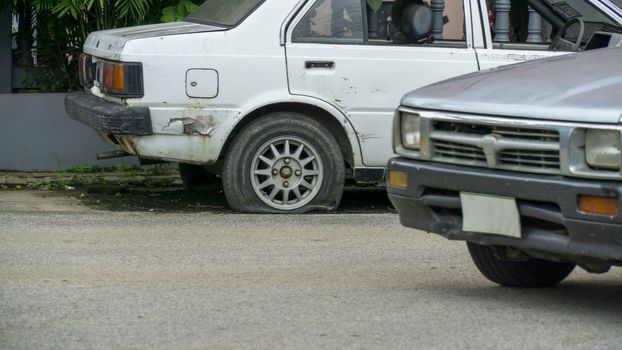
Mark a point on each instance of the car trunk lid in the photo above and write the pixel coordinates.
(109, 43)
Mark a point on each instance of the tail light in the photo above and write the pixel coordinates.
(122, 79)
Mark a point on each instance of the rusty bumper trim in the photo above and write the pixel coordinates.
(107, 116)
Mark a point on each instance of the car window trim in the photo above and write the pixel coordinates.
(289, 19)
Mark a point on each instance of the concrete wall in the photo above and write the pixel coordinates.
(37, 134)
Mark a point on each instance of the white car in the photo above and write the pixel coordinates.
(287, 99)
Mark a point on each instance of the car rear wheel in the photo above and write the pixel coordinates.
(283, 163)
(532, 273)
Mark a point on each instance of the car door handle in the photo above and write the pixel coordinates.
(320, 64)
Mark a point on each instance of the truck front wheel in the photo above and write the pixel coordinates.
(283, 163)
(532, 273)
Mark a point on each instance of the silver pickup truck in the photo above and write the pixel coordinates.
(523, 162)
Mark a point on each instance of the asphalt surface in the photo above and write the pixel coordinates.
(76, 278)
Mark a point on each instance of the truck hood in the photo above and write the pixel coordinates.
(110, 43)
(581, 87)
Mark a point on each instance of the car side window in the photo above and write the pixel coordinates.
(331, 21)
(418, 22)
(515, 25)
(561, 26)
(397, 22)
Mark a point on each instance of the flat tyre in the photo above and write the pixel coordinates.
(283, 163)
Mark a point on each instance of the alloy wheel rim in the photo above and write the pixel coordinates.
(286, 172)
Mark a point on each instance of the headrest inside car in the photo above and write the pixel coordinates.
(416, 22)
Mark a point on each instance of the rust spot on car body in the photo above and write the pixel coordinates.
(191, 126)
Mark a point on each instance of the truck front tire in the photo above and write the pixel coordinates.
(283, 162)
(532, 273)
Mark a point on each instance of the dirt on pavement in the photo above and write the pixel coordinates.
(174, 198)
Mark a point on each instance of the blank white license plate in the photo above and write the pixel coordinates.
(490, 214)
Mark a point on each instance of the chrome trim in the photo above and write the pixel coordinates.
(613, 8)
(289, 18)
(570, 145)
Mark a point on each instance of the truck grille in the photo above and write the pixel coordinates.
(537, 159)
(505, 131)
(527, 134)
(458, 152)
(495, 146)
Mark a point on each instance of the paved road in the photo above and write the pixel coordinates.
(75, 278)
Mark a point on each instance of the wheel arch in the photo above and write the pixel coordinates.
(339, 126)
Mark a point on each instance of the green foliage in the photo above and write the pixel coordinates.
(177, 12)
(104, 14)
(127, 169)
(122, 175)
(60, 182)
(80, 169)
(157, 169)
(61, 27)
(374, 4)
(134, 8)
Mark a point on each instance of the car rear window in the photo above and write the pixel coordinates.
(227, 13)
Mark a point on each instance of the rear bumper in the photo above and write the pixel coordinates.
(550, 220)
(108, 117)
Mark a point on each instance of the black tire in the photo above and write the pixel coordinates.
(243, 190)
(194, 176)
(532, 273)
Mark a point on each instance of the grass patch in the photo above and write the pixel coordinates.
(80, 175)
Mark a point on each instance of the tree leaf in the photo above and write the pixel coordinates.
(374, 4)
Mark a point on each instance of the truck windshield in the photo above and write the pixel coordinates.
(227, 13)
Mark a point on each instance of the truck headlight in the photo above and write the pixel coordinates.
(411, 131)
(602, 149)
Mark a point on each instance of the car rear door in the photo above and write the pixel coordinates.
(332, 56)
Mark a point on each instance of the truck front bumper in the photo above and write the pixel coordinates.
(551, 224)
(108, 117)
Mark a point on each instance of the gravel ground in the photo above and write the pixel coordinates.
(74, 276)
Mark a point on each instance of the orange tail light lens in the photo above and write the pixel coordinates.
(118, 82)
(114, 77)
(122, 79)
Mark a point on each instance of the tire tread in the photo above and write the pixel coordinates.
(530, 274)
